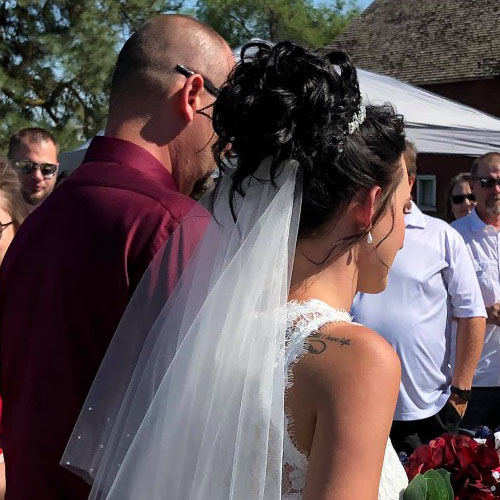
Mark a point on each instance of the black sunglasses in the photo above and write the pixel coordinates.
(26, 167)
(3, 226)
(460, 198)
(211, 88)
(487, 182)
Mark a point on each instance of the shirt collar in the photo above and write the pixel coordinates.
(114, 150)
(476, 223)
(415, 217)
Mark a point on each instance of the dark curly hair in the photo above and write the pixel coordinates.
(286, 102)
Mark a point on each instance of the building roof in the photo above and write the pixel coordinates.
(426, 41)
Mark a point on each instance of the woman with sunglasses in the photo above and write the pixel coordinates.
(459, 197)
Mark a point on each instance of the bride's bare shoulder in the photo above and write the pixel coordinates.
(348, 374)
(347, 352)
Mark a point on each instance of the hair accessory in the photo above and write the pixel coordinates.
(357, 119)
(369, 238)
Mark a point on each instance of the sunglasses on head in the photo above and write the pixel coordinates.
(460, 198)
(27, 167)
(211, 88)
(487, 182)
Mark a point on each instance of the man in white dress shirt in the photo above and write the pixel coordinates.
(481, 232)
(431, 281)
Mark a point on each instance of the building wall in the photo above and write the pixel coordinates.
(480, 94)
(444, 167)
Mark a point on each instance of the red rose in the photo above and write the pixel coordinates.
(470, 464)
(487, 457)
(420, 461)
(478, 496)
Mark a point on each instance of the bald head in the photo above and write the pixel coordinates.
(146, 64)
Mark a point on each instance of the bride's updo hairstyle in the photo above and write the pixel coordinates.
(286, 102)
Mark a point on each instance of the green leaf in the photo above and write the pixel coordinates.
(56, 60)
(432, 485)
(447, 480)
(436, 486)
(417, 489)
(303, 21)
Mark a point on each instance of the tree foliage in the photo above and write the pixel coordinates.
(56, 61)
(57, 55)
(302, 21)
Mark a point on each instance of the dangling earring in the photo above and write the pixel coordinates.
(369, 238)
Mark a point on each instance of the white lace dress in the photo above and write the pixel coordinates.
(302, 320)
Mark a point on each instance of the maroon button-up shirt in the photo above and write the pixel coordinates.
(64, 285)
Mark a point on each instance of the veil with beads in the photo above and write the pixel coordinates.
(196, 410)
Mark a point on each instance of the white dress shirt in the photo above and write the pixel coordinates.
(482, 241)
(431, 280)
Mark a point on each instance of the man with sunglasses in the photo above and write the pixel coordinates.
(481, 232)
(77, 261)
(431, 281)
(34, 154)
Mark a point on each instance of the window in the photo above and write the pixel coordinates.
(426, 192)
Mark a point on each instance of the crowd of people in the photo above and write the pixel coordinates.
(153, 346)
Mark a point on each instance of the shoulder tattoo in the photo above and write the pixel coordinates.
(318, 342)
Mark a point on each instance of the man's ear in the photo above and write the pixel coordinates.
(190, 97)
(364, 210)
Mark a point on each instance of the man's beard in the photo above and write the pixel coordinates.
(35, 199)
(202, 186)
(493, 207)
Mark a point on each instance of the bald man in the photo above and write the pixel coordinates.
(73, 267)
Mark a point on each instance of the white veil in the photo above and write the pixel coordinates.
(196, 410)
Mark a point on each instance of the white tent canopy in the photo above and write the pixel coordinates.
(434, 124)
(70, 160)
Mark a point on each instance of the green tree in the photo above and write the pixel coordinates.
(302, 21)
(56, 61)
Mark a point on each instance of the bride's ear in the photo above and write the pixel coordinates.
(366, 206)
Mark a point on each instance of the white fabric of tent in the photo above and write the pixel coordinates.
(434, 124)
(70, 160)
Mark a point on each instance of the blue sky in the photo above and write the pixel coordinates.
(364, 3)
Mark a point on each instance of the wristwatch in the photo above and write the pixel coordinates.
(465, 394)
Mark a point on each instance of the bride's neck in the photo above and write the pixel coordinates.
(334, 282)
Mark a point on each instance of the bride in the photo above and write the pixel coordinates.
(253, 383)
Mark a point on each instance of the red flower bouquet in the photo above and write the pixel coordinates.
(474, 467)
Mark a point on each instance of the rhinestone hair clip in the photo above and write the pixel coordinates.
(357, 119)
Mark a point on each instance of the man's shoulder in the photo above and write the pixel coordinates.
(436, 224)
(462, 225)
(439, 227)
(116, 187)
(437, 234)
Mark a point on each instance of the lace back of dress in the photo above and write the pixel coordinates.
(303, 319)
